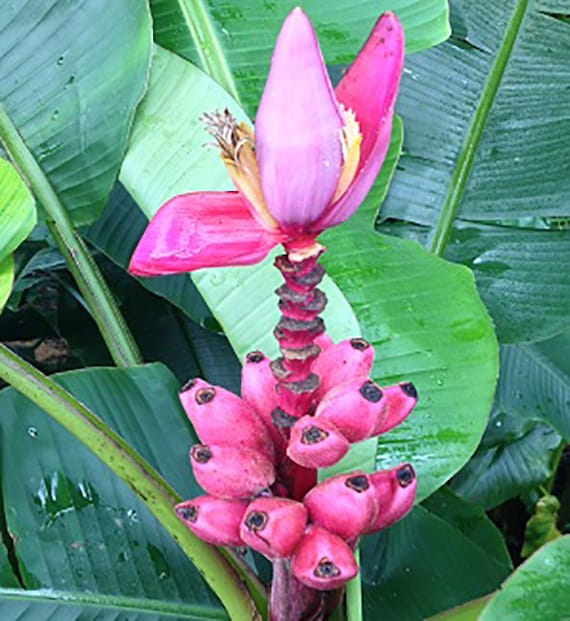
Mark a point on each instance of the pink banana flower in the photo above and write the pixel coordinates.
(310, 163)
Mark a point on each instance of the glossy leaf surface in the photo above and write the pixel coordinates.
(517, 271)
(538, 589)
(529, 420)
(514, 456)
(498, 155)
(75, 606)
(72, 97)
(402, 296)
(17, 218)
(522, 143)
(76, 527)
(444, 553)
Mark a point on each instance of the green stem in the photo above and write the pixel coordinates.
(443, 228)
(207, 45)
(354, 594)
(145, 482)
(89, 279)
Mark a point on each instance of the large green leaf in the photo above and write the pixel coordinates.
(6, 279)
(75, 526)
(538, 590)
(439, 556)
(17, 218)
(516, 271)
(520, 166)
(428, 326)
(17, 210)
(71, 74)
(499, 153)
(518, 277)
(7, 575)
(232, 40)
(537, 381)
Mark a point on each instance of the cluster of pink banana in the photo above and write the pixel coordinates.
(248, 449)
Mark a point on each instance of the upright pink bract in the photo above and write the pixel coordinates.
(312, 160)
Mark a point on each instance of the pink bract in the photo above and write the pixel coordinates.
(314, 156)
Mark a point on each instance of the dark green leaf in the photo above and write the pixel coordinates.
(441, 555)
(73, 606)
(536, 382)
(515, 456)
(516, 271)
(519, 168)
(523, 142)
(519, 277)
(76, 527)
(7, 576)
(72, 97)
(530, 416)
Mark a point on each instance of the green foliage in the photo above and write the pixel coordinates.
(17, 218)
(399, 292)
(480, 176)
(537, 590)
(518, 171)
(75, 526)
(442, 554)
(72, 97)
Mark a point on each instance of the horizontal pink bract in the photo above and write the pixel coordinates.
(203, 229)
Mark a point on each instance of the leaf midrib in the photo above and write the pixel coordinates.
(207, 44)
(441, 233)
(112, 602)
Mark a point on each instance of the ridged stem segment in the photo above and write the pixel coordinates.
(300, 303)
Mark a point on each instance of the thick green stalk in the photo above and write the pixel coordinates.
(89, 279)
(443, 228)
(354, 594)
(145, 482)
(208, 47)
